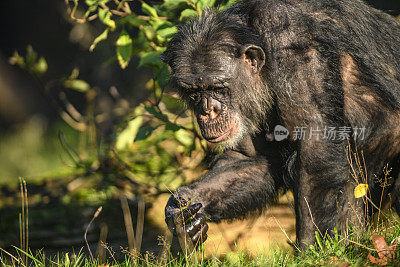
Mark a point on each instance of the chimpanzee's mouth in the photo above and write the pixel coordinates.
(225, 136)
(219, 129)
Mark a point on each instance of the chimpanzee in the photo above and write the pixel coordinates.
(302, 95)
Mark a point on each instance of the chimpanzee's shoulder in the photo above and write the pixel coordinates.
(246, 7)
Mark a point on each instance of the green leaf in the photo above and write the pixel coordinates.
(40, 67)
(149, 32)
(31, 56)
(319, 240)
(174, 4)
(172, 127)
(98, 39)
(77, 85)
(90, 10)
(105, 17)
(162, 75)
(91, 2)
(161, 24)
(126, 138)
(228, 4)
(201, 4)
(167, 32)
(173, 104)
(149, 10)
(151, 59)
(144, 133)
(124, 49)
(74, 74)
(184, 137)
(188, 13)
(18, 60)
(132, 20)
(157, 114)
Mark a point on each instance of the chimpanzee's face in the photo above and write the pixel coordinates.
(207, 90)
(214, 84)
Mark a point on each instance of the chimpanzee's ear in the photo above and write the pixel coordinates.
(254, 56)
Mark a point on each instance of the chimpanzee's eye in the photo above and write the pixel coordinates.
(193, 96)
(225, 91)
(221, 92)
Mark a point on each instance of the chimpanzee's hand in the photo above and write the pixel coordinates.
(181, 218)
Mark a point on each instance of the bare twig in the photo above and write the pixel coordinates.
(68, 148)
(194, 6)
(101, 254)
(283, 230)
(140, 224)
(71, 122)
(128, 223)
(354, 210)
(71, 12)
(96, 214)
(20, 230)
(119, 13)
(127, 8)
(23, 219)
(312, 218)
(185, 242)
(27, 217)
(73, 112)
(1, 260)
(121, 4)
(358, 244)
(386, 171)
(12, 257)
(109, 251)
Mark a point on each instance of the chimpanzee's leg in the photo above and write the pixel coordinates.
(324, 193)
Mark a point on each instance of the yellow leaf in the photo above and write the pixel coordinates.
(360, 190)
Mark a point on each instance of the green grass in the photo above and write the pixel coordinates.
(328, 251)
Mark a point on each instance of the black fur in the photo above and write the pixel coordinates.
(313, 63)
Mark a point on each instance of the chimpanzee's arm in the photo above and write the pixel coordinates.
(235, 186)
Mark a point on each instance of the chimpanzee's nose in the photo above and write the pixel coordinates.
(210, 107)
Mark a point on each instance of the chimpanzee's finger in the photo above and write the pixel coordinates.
(202, 233)
(195, 224)
(178, 201)
(171, 224)
(191, 211)
(203, 238)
